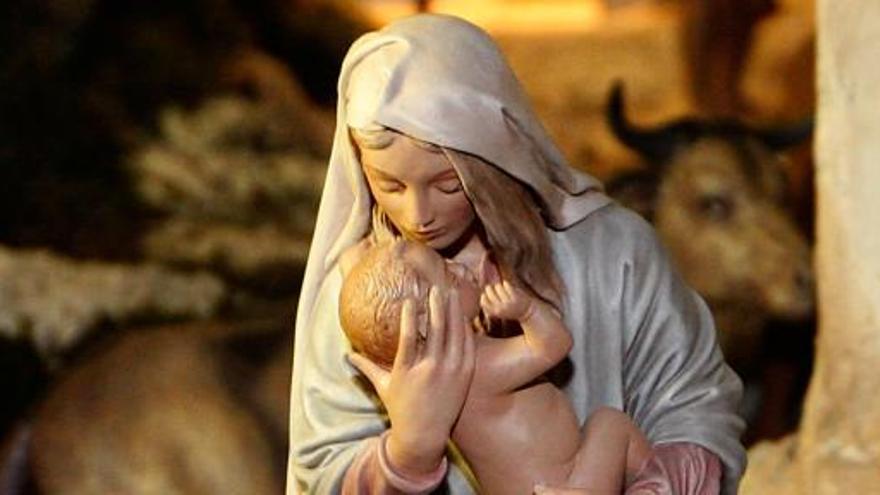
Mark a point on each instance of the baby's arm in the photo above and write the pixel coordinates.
(513, 362)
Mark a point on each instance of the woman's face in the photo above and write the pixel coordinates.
(419, 191)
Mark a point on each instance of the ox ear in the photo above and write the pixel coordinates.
(656, 145)
(781, 138)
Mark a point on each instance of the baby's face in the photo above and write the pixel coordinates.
(446, 275)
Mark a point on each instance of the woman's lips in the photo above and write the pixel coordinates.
(427, 235)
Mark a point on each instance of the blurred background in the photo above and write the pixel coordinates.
(161, 164)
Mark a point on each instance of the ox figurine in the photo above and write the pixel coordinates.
(716, 194)
(196, 408)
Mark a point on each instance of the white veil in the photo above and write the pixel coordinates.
(442, 80)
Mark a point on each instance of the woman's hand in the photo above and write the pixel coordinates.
(425, 390)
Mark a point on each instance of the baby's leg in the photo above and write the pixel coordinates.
(612, 451)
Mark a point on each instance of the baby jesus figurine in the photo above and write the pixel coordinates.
(516, 429)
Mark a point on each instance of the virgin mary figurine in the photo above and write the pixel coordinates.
(435, 142)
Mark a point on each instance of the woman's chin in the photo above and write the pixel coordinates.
(450, 243)
(437, 243)
(447, 242)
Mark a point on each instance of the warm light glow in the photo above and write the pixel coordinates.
(501, 16)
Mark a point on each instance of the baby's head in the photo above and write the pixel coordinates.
(386, 275)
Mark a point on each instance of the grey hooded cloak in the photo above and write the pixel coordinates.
(644, 342)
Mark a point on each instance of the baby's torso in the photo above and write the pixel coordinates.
(513, 440)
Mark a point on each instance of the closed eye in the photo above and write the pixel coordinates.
(383, 182)
(389, 186)
(449, 186)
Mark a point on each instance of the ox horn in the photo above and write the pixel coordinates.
(781, 138)
(657, 145)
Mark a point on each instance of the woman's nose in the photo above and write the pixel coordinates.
(419, 211)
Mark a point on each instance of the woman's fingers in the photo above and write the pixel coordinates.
(455, 328)
(407, 344)
(436, 323)
(377, 376)
(469, 347)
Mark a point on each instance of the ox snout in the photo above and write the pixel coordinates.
(792, 295)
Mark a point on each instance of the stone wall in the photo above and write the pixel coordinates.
(837, 449)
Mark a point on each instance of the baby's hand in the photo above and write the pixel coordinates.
(506, 302)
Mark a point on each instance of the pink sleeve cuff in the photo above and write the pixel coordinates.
(678, 469)
(407, 484)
